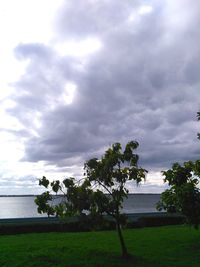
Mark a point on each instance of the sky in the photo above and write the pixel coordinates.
(78, 76)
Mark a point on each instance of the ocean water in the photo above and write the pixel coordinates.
(24, 207)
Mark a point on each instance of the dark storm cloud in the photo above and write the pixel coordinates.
(142, 84)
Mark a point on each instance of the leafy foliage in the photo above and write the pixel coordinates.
(184, 193)
(101, 191)
(111, 173)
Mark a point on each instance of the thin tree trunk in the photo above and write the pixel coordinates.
(122, 243)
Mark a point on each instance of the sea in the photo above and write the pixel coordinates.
(25, 207)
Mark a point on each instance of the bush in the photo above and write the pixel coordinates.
(87, 224)
(161, 220)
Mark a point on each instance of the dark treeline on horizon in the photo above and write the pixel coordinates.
(59, 195)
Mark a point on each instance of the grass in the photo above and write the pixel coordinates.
(174, 246)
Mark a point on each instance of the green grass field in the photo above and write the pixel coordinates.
(177, 246)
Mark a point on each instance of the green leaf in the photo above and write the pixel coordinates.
(55, 186)
(44, 181)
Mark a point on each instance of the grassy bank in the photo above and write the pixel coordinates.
(177, 246)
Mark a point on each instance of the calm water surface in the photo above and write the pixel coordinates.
(24, 207)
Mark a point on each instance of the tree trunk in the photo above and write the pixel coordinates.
(123, 246)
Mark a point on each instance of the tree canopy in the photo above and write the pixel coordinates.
(183, 196)
(101, 191)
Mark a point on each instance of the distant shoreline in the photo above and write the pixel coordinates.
(18, 195)
(61, 195)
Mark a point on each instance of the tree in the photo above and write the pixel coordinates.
(183, 196)
(101, 191)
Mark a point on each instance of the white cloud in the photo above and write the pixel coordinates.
(145, 9)
(108, 71)
(78, 48)
(12, 150)
(20, 21)
(68, 94)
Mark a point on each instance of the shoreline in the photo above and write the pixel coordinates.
(132, 216)
(62, 195)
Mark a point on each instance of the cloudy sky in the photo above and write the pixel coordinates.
(79, 75)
